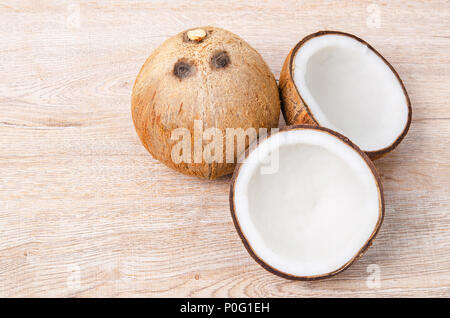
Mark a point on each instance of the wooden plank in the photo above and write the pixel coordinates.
(81, 198)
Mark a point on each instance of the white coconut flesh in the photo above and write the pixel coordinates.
(350, 89)
(316, 212)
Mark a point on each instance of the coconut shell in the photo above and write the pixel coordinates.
(296, 111)
(219, 79)
(360, 252)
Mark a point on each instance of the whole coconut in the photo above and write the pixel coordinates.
(208, 75)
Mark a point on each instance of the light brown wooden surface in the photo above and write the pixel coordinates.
(81, 198)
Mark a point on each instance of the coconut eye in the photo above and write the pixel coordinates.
(183, 69)
(220, 60)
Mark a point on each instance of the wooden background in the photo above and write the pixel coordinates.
(85, 211)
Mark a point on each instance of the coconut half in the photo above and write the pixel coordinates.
(315, 211)
(337, 80)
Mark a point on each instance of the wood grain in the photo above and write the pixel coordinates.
(81, 198)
